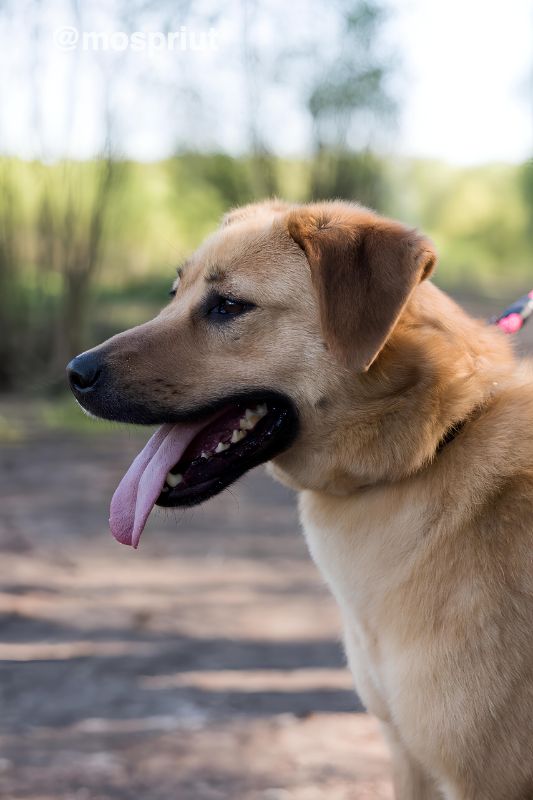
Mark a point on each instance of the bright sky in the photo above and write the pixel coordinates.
(465, 87)
(469, 66)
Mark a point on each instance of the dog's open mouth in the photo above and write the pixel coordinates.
(186, 463)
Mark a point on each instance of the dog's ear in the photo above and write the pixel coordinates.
(364, 269)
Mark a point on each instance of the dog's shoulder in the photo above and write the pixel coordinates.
(509, 429)
(515, 410)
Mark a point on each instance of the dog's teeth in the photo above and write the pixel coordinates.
(249, 420)
(261, 410)
(221, 447)
(205, 455)
(237, 436)
(173, 480)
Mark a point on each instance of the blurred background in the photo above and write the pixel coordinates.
(208, 664)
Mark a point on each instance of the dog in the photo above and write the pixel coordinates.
(309, 337)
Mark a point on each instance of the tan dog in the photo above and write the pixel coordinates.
(307, 336)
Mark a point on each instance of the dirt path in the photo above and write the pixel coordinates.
(205, 666)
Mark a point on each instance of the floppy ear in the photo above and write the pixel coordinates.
(364, 268)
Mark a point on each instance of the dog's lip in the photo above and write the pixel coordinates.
(246, 397)
(118, 406)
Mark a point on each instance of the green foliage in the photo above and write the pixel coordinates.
(526, 183)
(349, 94)
(228, 177)
(52, 230)
(347, 175)
(478, 218)
(481, 220)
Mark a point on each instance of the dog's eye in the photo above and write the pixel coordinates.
(172, 292)
(225, 306)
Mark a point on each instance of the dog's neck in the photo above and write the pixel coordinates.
(439, 367)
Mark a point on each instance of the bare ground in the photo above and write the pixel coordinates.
(205, 666)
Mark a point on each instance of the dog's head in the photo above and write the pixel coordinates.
(273, 320)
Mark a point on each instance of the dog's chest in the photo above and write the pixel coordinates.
(367, 550)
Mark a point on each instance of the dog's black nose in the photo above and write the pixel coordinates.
(83, 372)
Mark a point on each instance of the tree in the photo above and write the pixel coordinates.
(346, 101)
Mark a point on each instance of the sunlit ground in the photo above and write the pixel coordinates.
(206, 665)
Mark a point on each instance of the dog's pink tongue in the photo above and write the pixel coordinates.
(141, 485)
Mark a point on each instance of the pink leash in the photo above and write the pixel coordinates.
(516, 316)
